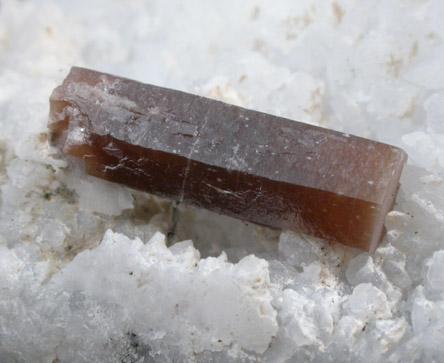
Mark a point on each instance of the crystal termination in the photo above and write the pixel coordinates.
(246, 164)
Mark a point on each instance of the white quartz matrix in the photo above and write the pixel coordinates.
(94, 272)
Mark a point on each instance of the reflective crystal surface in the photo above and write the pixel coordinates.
(242, 163)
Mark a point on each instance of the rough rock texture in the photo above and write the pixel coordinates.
(370, 68)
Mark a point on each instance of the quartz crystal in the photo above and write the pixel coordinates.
(242, 163)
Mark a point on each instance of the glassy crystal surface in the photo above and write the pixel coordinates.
(242, 163)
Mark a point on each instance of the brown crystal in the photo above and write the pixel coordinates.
(242, 163)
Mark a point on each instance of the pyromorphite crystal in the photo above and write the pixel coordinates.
(246, 164)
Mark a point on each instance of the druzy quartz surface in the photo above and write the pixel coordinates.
(242, 163)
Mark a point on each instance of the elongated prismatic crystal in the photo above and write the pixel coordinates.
(242, 163)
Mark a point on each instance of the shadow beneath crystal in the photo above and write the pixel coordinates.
(213, 234)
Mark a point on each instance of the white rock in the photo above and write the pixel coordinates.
(347, 330)
(396, 273)
(311, 274)
(422, 149)
(435, 110)
(368, 303)
(103, 197)
(360, 269)
(427, 74)
(428, 323)
(435, 272)
(304, 321)
(187, 289)
(10, 267)
(387, 333)
(299, 250)
(51, 233)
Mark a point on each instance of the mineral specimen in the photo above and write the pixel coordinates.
(246, 164)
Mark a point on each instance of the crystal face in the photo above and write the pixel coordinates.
(242, 163)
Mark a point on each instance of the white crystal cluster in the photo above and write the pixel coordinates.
(89, 271)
